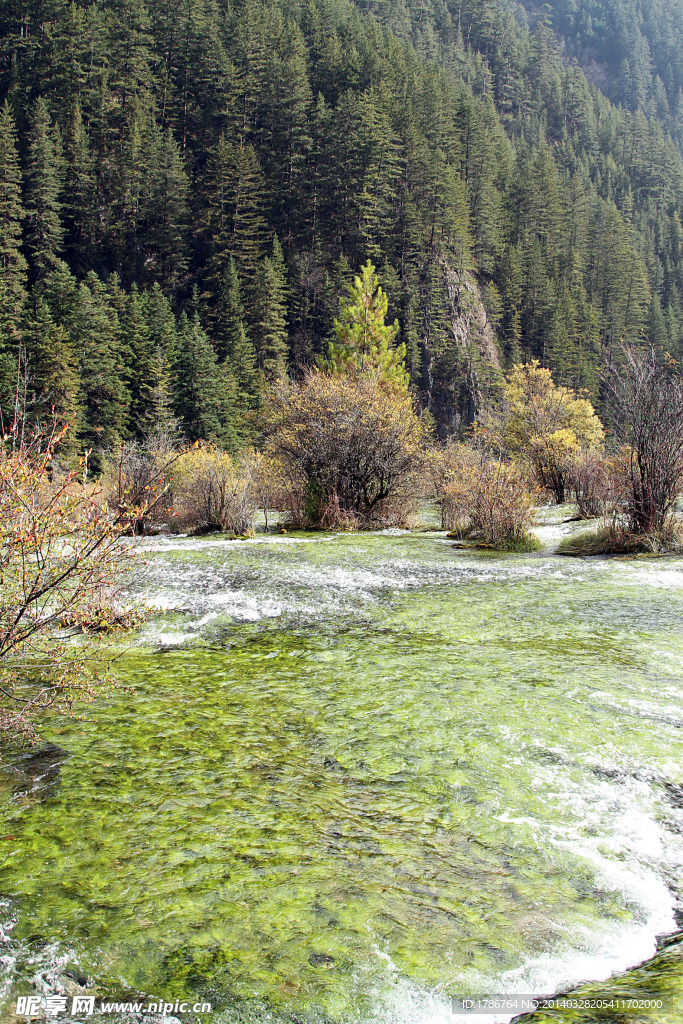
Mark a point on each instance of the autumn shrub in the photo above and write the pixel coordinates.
(348, 444)
(448, 468)
(482, 496)
(213, 490)
(493, 502)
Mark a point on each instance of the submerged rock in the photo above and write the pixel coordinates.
(39, 771)
(321, 960)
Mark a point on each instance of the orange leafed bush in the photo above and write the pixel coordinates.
(62, 568)
(482, 496)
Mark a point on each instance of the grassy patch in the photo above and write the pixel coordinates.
(516, 545)
(521, 545)
(609, 540)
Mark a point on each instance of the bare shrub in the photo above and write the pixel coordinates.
(277, 492)
(214, 491)
(128, 471)
(63, 570)
(647, 399)
(594, 478)
(348, 444)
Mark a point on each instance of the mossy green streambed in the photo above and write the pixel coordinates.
(360, 775)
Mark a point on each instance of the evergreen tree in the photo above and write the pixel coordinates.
(53, 371)
(104, 397)
(270, 316)
(161, 322)
(234, 346)
(161, 326)
(163, 208)
(12, 262)
(198, 383)
(44, 232)
(142, 366)
(364, 341)
(235, 210)
(80, 190)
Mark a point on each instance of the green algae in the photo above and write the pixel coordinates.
(364, 773)
(651, 993)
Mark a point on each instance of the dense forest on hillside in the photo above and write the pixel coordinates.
(185, 189)
(630, 49)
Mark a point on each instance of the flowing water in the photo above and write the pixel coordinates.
(361, 775)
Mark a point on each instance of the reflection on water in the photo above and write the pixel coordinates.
(361, 774)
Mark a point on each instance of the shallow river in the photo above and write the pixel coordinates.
(361, 775)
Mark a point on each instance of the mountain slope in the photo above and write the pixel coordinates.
(275, 146)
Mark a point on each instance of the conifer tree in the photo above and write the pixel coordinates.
(270, 315)
(53, 370)
(143, 364)
(161, 325)
(60, 291)
(364, 341)
(234, 346)
(197, 383)
(79, 193)
(129, 45)
(104, 395)
(235, 210)
(163, 208)
(161, 322)
(44, 232)
(12, 262)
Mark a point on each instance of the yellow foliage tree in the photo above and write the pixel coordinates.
(214, 491)
(548, 425)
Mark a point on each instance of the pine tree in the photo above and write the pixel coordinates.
(143, 363)
(235, 210)
(60, 291)
(12, 262)
(364, 341)
(80, 189)
(104, 395)
(161, 322)
(656, 327)
(161, 325)
(197, 383)
(286, 132)
(233, 344)
(53, 370)
(163, 208)
(129, 45)
(44, 232)
(270, 316)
